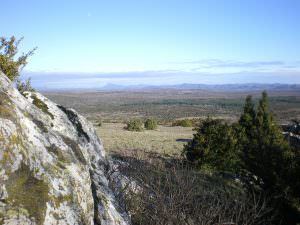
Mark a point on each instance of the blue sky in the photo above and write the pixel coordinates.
(157, 41)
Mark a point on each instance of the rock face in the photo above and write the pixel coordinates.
(53, 168)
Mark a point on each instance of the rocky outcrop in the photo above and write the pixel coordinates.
(53, 168)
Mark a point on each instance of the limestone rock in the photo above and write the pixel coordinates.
(53, 168)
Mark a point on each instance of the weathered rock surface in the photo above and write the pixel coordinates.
(53, 168)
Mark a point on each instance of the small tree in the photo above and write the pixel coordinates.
(264, 146)
(150, 124)
(214, 146)
(10, 63)
(134, 125)
(269, 160)
(248, 117)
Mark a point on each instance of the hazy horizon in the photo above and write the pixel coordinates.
(45, 81)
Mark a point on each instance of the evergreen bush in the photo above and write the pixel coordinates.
(134, 125)
(150, 124)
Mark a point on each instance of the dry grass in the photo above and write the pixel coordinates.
(165, 140)
(173, 192)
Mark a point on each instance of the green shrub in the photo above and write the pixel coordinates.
(150, 124)
(183, 123)
(41, 105)
(255, 149)
(99, 123)
(134, 125)
(272, 165)
(11, 65)
(24, 86)
(214, 146)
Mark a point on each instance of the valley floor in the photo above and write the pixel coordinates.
(168, 105)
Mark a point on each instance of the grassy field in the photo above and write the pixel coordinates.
(165, 140)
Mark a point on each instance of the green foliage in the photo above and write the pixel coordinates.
(248, 117)
(263, 149)
(270, 162)
(24, 86)
(41, 105)
(10, 64)
(150, 124)
(256, 149)
(134, 125)
(214, 146)
(183, 123)
(99, 123)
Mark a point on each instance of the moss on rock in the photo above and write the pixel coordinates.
(41, 105)
(27, 193)
(6, 108)
(56, 201)
(8, 156)
(62, 158)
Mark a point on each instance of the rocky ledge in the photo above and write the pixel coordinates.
(53, 168)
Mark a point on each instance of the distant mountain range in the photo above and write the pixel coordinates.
(212, 87)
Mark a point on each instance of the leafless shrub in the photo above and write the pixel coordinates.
(174, 193)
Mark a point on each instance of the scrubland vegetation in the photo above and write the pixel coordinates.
(255, 150)
(150, 124)
(169, 105)
(134, 125)
(229, 173)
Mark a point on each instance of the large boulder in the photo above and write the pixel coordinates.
(53, 168)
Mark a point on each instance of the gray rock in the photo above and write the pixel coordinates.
(53, 168)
